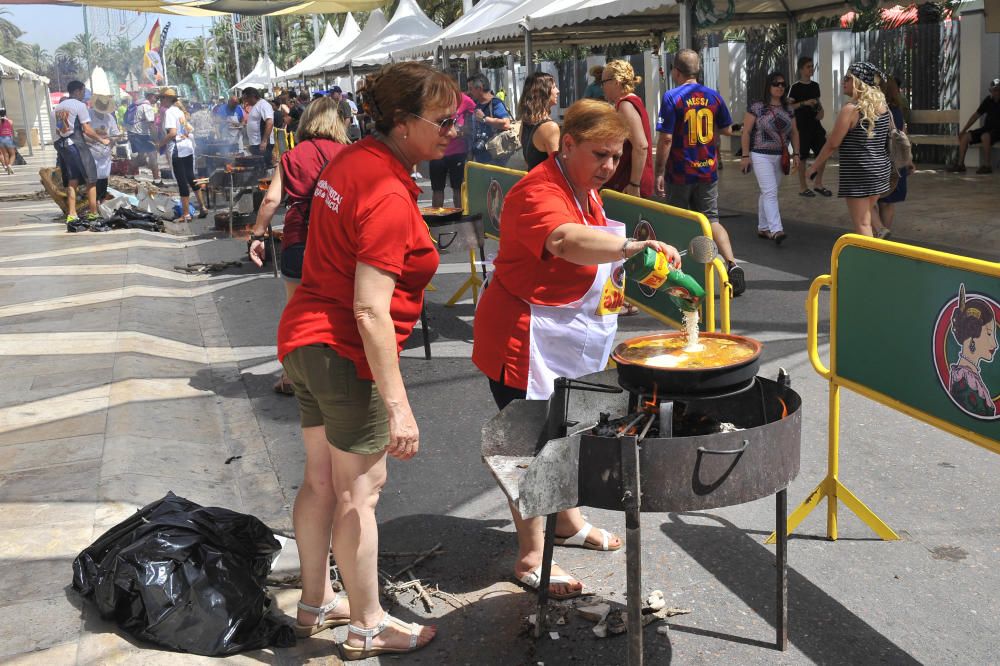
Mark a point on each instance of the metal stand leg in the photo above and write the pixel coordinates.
(231, 203)
(274, 250)
(781, 555)
(633, 548)
(546, 573)
(423, 329)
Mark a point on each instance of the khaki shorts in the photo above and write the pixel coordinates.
(330, 394)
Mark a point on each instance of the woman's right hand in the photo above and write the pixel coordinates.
(404, 436)
(256, 252)
(745, 164)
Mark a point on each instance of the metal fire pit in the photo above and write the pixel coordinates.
(592, 444)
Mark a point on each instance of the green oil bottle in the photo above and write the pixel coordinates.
(652, 269)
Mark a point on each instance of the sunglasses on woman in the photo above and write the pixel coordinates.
(778, 84)
(444, 126)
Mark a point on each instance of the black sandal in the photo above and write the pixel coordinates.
(766, 235)
(825, 192)
(807, 193)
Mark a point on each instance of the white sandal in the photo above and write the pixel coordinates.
(533, 579)
(352, 653)
(579, 540)
(322, 622)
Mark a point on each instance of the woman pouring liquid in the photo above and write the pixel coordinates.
(552, 305)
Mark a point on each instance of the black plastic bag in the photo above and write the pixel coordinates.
(186, 577)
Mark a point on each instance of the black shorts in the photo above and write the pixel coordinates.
(452, 166)
(811, 138)
(72, 165)
(291, 261)
(976, 135)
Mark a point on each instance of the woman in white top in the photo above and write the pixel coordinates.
(177, 134)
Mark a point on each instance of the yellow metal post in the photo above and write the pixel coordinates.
(833, 461)
(473, 282)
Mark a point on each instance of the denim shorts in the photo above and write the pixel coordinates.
(7, 141)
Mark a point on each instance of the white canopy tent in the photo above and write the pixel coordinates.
(25, 95)
(375, 24)
(329, 46)
(482, 15)
(409, 26)
(263, 72)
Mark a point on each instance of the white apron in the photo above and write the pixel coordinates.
(575, 339)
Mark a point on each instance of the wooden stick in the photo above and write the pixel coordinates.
(414, 563)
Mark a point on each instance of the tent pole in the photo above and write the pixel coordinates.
(574, 84)
(267, 55)
(236, 48)
(24, 114)
(792, 36)
(38, 113)
(350, 73)
(685, 24)
(48, 105)
(529, 53)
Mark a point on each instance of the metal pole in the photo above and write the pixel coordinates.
(685, 24)
(236, 48)
(86, 36)
(48, 105)
(350, 73)
(315, 31)
(633, 546)
(267, 56)
(792, 36)
(24, 114)
(781, 554)
(38, 111)
(529, 59)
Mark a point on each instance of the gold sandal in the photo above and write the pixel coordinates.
(322, 622)
(351, 653)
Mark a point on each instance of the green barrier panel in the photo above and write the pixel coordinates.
(894, 336)
(485, 187)
(915, 330)
(674, 226)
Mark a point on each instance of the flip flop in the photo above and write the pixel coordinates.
(322, 621)
(352, 653)
(579, 540)
(533, 579)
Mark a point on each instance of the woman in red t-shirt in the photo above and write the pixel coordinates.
(321, 137)
(552, 305)
(368, 259)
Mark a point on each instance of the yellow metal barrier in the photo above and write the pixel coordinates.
(831, 488)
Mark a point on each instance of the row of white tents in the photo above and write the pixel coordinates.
(25, 95)
(499, 25)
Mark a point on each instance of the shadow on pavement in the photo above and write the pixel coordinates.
(819, 626)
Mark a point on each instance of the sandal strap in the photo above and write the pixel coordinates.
(321, 611)
(372, 632)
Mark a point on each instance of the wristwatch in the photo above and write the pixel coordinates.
(625, 245)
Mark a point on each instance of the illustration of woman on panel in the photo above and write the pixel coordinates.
(974, 326)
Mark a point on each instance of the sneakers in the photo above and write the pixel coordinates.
(984, 169)
(92, 217)
(737, 278)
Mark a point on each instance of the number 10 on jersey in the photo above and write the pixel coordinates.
(700, 126)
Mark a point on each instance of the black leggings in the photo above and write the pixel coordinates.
(184, 174)
(503, 395)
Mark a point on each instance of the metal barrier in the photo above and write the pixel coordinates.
(903, 333)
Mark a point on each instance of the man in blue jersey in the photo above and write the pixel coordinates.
(691, 116)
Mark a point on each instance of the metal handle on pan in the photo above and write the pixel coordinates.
(730, 452)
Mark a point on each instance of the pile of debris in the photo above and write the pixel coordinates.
(610, 618)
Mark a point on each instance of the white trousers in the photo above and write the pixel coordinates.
(767, 168)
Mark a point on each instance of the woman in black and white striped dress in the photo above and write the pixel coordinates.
(860, 133)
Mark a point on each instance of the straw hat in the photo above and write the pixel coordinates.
(168, 92)
(102, 103)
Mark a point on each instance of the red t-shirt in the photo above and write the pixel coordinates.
(525, 272)
(364, 210)
(300, 169)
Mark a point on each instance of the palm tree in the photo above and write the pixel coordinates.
(40, 58)
(9, 33)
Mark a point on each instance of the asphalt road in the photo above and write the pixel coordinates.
(925, 599)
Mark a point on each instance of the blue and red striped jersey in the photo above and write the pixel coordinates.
(692, 113)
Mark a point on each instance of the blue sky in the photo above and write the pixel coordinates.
(53, 26)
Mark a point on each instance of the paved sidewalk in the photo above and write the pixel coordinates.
(126, 378)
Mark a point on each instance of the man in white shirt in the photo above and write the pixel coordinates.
(260, 122)
(76, 161)
(139, 121)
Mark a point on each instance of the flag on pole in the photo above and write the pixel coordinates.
(152, 64)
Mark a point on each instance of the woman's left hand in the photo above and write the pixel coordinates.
(673, 256)
(632, 190)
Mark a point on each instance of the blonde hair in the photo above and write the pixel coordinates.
(320, 120)
(623, 73)
(868, 99)
(593, 120)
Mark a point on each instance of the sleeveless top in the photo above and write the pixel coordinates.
(864, 162)
(533, 156)
(623, 174)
